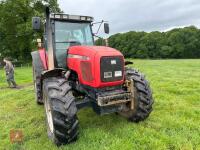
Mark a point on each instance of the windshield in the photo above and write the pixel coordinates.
(68, 34)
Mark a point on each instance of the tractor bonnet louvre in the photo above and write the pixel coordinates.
(86, 70)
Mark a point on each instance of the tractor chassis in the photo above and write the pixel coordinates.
(104, 100)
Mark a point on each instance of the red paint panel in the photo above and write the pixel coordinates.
(94, 53)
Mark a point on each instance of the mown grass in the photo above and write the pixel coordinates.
(174, 123)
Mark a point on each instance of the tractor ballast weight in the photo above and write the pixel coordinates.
(71, 73)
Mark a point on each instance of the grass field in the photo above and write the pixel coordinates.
(174, 123)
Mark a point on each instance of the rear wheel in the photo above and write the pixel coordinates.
(60, 108)
(37, 88)
(142, 100)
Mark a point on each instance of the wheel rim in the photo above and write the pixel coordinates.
(49, 116)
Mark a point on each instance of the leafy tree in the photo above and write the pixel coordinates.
(100, 41)
(16, 34)
(177, 43)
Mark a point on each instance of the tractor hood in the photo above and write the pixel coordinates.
(96, 66)
(91, 51)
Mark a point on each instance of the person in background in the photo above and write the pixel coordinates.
(9, 69)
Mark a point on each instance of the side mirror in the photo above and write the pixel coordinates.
(36, 22)
(106, 28)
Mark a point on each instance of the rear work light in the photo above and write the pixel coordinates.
(83, 18)
(57, 16)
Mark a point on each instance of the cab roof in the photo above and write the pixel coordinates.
(60, 16)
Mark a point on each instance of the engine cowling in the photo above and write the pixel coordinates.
(96, 66)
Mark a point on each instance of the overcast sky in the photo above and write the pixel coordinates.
(137, 15)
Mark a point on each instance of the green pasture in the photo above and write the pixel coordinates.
(174, 123)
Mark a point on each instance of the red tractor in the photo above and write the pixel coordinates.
(71, 73)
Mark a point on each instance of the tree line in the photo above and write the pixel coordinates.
(16, 34)
(176, 43)
(17, 38)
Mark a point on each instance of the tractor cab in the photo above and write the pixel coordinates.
(62, 31)
(69, 30)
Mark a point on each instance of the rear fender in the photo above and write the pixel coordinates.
(37, 64)
(38, 68)
(39, 59)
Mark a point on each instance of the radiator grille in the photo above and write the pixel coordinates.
(111, 68)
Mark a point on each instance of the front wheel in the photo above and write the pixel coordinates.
(60, 108)
(141, 106)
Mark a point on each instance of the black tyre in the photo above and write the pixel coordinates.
(37, 88)
(143, 100)
(60, 108)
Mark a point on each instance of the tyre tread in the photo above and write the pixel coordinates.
(65, 121)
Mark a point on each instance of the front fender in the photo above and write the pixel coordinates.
(52, 73)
